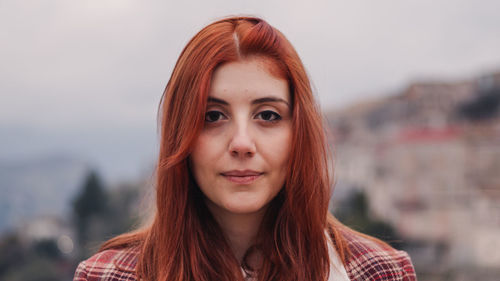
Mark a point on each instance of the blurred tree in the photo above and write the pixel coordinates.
(101, 213)
(32, 261)
(485, 106)
(89, 205)
(12, 253)
(47, 248)
(98, 214)
(37, 269)
(355, 213)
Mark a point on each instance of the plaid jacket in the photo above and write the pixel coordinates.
(369, 261)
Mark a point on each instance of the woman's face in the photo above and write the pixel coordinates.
(240, 159)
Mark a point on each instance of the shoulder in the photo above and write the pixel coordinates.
(109, 265)
(374, 260)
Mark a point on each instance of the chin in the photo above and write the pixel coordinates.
(246, 208)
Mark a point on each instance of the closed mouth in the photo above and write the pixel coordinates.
(242, 177)
(241, 173)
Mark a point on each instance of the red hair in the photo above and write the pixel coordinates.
(184, 242)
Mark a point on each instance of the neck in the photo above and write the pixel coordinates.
(240, 229)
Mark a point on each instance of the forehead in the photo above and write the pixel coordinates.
(251, 78)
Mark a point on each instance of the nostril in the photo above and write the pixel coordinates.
(242, 151)
(236, 152)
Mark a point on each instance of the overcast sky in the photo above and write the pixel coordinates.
(85, 77)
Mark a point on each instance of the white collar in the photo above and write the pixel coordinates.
(337, 269)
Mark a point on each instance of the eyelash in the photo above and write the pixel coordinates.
(275, 116)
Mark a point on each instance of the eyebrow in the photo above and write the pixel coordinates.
(255, 101)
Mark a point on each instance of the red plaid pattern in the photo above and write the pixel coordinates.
(373, 261)
(369, 261)
(109, 265)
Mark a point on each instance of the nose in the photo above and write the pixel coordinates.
(242, 143)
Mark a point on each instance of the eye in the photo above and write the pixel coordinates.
(213, 116)
(269, 116)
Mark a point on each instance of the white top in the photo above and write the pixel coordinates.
(337, 269)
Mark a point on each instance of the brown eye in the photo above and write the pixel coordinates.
(213, 116)
(269, 115)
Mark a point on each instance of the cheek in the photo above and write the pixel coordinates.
(205, 156)
(204, 148)
(278, 148)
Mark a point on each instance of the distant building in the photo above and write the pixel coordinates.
(46, 228)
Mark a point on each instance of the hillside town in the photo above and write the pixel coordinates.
(428, 159)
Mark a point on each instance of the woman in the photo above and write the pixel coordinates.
(242, 178)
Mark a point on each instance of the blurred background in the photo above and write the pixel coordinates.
(410, 91)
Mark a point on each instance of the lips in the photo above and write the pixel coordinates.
(242, 176)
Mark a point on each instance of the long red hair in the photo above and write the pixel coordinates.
(184, 242)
